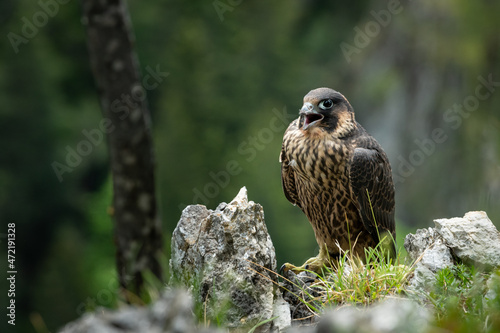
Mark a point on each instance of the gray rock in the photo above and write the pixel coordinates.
(226, 257)
(421, 282)
(303, 329)
(391, 315)
(474, 239)
(426, 247)
(172, 313)
(298, 291)
(282, 312)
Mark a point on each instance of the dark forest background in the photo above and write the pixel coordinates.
(423, 78)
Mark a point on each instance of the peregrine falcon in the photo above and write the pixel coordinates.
(340, 177)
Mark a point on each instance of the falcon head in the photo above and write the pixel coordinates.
(328, 110)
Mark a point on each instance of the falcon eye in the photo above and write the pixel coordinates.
(326, 104)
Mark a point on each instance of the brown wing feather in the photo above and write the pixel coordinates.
(370, 174)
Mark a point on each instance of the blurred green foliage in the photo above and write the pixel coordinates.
(466, 300)
(218, 122)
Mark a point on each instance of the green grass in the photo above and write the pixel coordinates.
(354, 282)
(463, 299)
(466, 300)
(351, 281)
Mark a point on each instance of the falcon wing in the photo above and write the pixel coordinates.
(288, 179)
(370, 174)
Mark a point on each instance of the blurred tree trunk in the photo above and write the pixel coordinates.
(126, 121)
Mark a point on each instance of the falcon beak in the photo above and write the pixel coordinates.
(311, 116)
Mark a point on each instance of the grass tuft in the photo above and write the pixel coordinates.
(352, 281)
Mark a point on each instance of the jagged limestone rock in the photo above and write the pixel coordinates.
(427, 248)
(474, 239)
(226, 257)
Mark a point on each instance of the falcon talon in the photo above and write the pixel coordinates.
(339, 176)
(285, 268)
(282, 269)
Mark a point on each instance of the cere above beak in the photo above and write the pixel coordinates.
(311, 116)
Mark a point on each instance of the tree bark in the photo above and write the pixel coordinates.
(127, 124)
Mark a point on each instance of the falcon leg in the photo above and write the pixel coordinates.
(315, 264)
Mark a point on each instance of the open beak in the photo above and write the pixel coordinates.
(311, 116)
